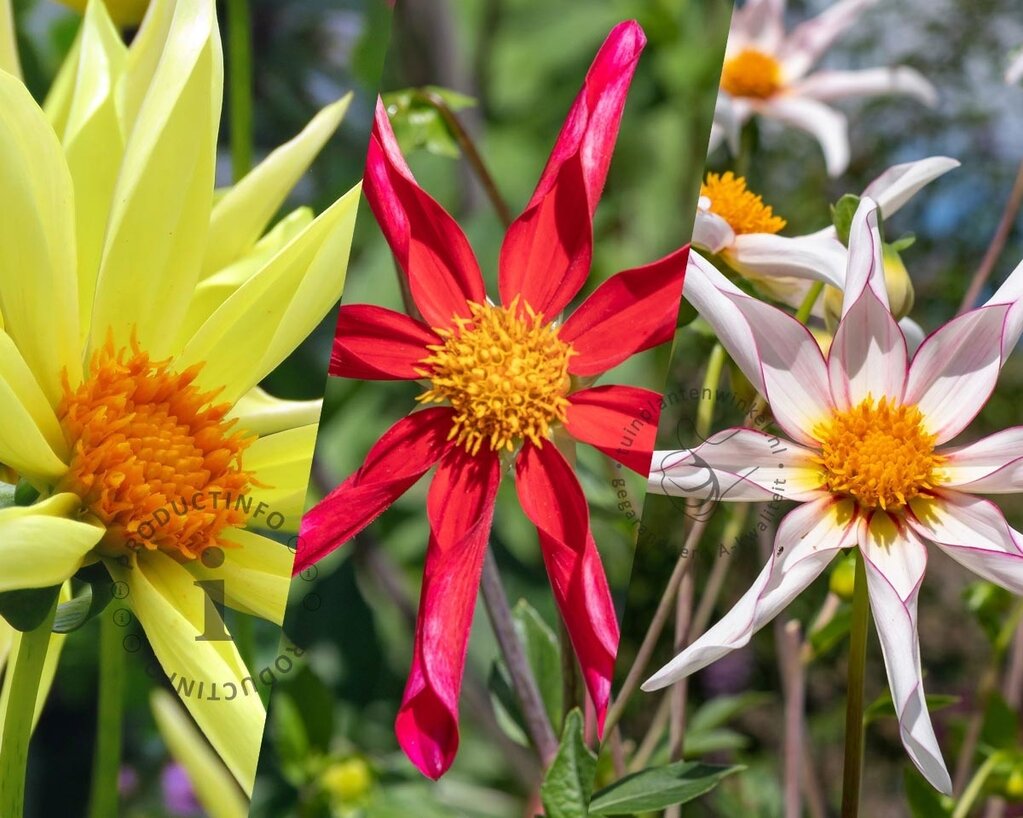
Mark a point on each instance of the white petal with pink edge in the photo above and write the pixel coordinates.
(826, 124)
(806, 542)
(741, 465)
(991, 465)
(895, 561)
(901, 80)
(710, 231)
(900, 183)
(808, 41)
(817, 257)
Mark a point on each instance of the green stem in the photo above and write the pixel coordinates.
(803, 313)
(852, 768)
(239, 33)
(107, 762)
(705, 409)
(976, 786)
(20, 715)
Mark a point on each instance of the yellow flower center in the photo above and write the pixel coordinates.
(751, 73)
(153, 457)
(744, 210)
(878, 453)
(504, 370)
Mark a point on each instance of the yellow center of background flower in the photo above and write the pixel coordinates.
(744, 210)
(751, 73)
(152, 456)
(505, 373)
(879, 454)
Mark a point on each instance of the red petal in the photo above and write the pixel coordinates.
(546, 254)
(374, 343)
(621, 421)
(404, 454)
(429, 245)
(460, 506)
(553, 500)
(545, 257)
(630, 312)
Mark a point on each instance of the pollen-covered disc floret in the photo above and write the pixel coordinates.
(879, 454)
(743, 209)
(153, 457)
(751, 73)
(504, 371)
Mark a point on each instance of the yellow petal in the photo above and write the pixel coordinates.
(163, 195)
(276, 308)
(264, 414)
(207, 675)
(40, 546)
(9, 61)
(38, 289)
(256, 576)
(31, 441)
(282, 462)
(143, 59)
(242, 215)
(215, 789)
(94, 144)
(215, 290)
(49, 664)
(57, 105)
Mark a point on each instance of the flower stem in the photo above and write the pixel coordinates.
(976, 786)
(705, 409)
(107, 762)
(805, 308)
(239, 33)
(472, 154)
(20, 715)
(523, 681)
(852, 768)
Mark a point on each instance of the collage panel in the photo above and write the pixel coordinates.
(823, 607)
(490, 412)
(179, 185)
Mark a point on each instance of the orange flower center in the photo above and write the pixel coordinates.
(153, 457)
(879, 454)
(751, 73)
(744, 210)
(504, 371)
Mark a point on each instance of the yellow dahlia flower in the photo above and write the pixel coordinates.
(138, 314)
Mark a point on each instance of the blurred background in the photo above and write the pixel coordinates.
(307, 53)
(970, 658)
(516, 66)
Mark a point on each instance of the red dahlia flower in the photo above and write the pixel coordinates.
(502, 379)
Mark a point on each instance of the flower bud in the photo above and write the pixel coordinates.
(842, 582)
(896, 278)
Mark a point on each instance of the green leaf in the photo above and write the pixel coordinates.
(660, 787)
(92, 601)
(1001, 725)
(27, 609)
(543, 651)
(506, 704)
(290, 738)
(924, 801)
(568, 784)
(418, 124)
(842, 213)
(883, 707)
(723, 709)
(833, 633)
(903, 242)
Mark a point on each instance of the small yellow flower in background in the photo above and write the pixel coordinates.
(138, 314)
(122, 12)
(347, 782)
(215, 789)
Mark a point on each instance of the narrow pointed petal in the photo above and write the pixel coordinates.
(280, 463)
(263, 414)
(817, 257)
(1010, 294)
(901, 80)
(404, 454)
(991, 465)
(827, 125)
(807, 540)
(900, 183)
(164, 191)
(711, 233)
(38, 287)
(758, 23)
(954, 372)
(630, 312)
(243, 213)
(553, 500)
(895, 562)
(738, 465)
(9, 61)
(460, 506)
(621, 421)
(808, 41)
(374, 343)
(428, 244)
(974, 533)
